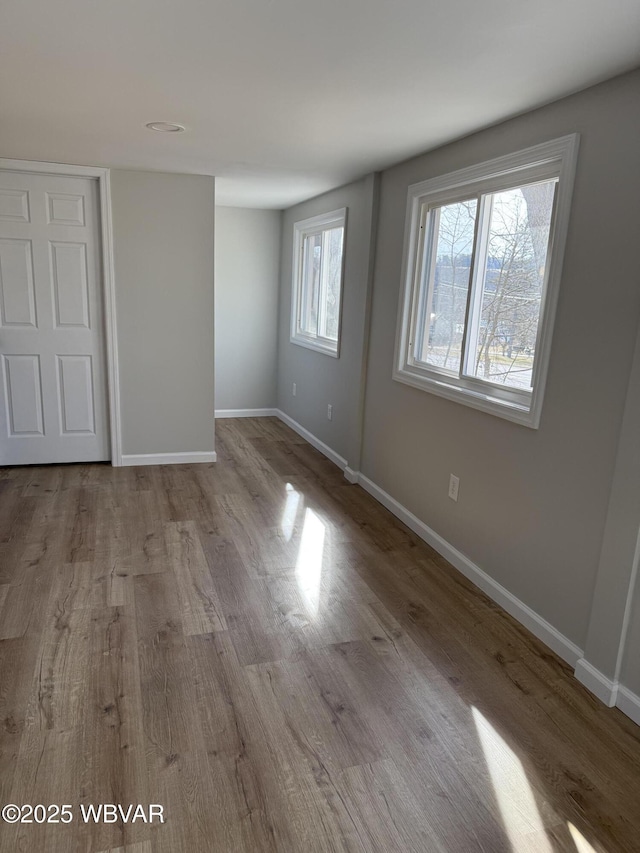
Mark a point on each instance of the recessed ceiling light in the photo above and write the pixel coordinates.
(165, 127)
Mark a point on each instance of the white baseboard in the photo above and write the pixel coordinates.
(295, 426)
(313, 441)
(596, 682)
(609, 692)
(538, 626)
(612, 693)
(167, 458)
(246, 413)
(629, 703)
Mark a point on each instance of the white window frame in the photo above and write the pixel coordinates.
(301, 230)
(553, 159)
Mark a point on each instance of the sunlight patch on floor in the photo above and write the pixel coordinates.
(309, 563)
(582, 845)
(290, 511)
(513, 792)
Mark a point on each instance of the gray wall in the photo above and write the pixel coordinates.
(533, 503)
(322, 379)
(163, 246)
(614, 587)
(247, 267)
(630, 675)
(613, 643)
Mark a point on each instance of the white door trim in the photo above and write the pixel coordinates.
(108, 277)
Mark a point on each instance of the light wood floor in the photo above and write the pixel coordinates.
(262, 649)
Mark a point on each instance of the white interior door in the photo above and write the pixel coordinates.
(53, 390)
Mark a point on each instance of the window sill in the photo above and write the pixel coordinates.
(317, 345)
(518, 413)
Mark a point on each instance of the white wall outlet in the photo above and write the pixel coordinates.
(329, 412)
(294, 389)
(454, 485)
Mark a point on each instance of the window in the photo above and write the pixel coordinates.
(318, 260)
(483, 256)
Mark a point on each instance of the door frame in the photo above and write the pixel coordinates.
(107, 285)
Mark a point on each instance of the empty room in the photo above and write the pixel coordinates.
(319, 427)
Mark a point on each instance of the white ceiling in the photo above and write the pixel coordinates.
(283, 99)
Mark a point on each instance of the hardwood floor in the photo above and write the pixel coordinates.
(263, 650)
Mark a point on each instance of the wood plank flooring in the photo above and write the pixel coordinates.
(262, 649)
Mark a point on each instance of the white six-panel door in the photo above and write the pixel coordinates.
(53, 391)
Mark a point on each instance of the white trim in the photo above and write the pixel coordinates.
(246, 413)
(167, 458)
(629, 703)
(313, 441)
(612, 693)
(108, 278)
(609, 692)
(626, 618)
(542, 629)
(596, 682)
(556, 158)
(324, 221)
(538, 626)
(111, 329)
(46, 168)
(544, 152)
(316, 345)
(468, 397)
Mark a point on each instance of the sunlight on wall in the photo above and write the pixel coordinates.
(290, 511)
(309, 563)
(582, 845)
(513, 792)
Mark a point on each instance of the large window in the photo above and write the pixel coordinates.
(483, 255)
(318, 253)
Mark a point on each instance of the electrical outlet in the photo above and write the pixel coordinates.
(329, 412)
(454, 485)
(294, 389)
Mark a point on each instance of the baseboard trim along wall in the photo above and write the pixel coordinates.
(612, 693)
(313, 441)
(629, 703)
(542, 629)
(167, 458)
(607, 691)
(598, 683)
(247, 413)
